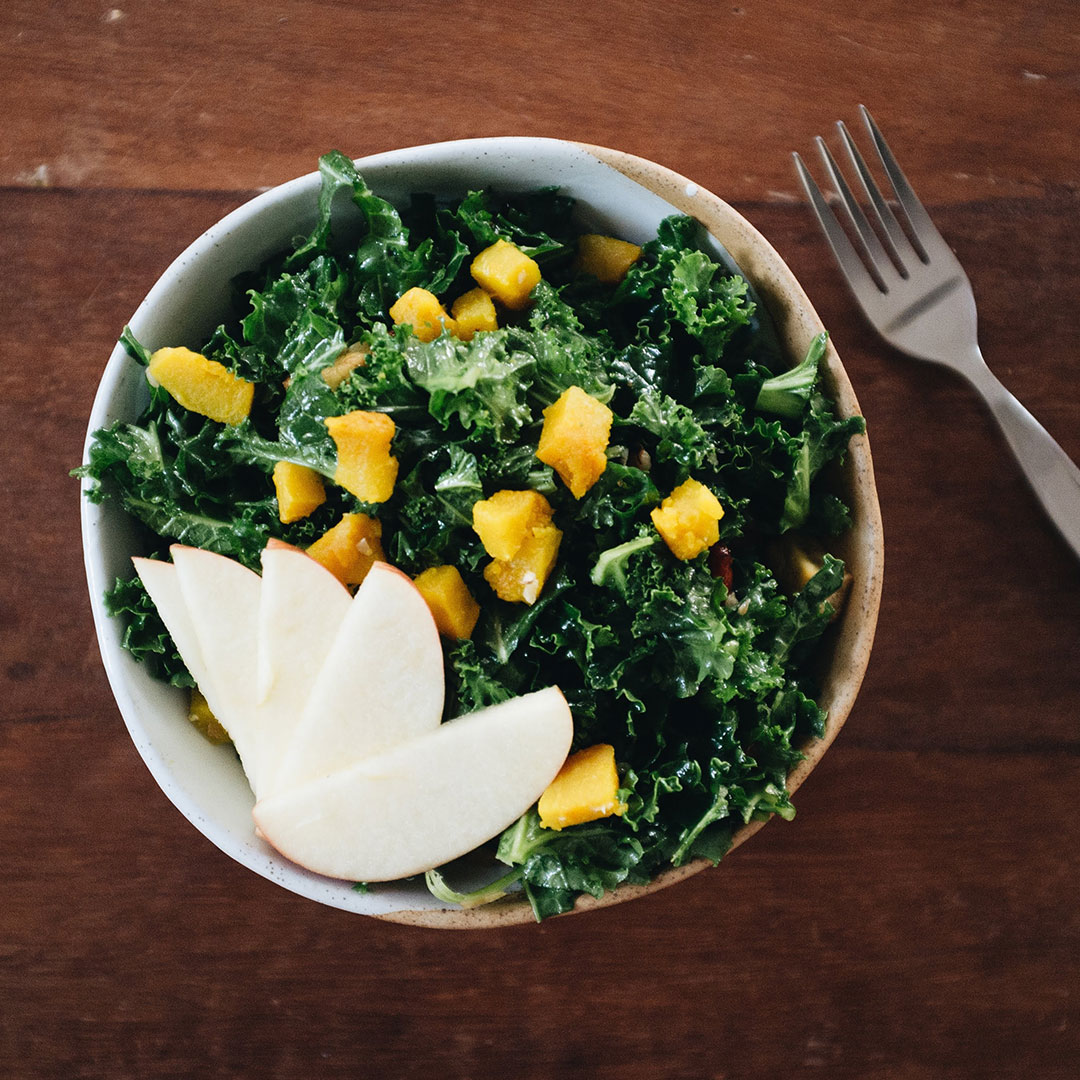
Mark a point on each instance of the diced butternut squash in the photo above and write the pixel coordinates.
(202, 386)
(348, 548)
(688, 519)
(347, 362)
(574, 439)
(422, 311)
(585, 789)
(503, 521)
(521, 578)
(605, 257)
(473, 311)
(365, 466)
(507, 273)
(796, 559)
(804, 560)
(515, 528)
(204, 721)
(451, 603)
(299, 490)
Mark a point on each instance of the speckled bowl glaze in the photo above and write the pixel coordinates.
(618, 194)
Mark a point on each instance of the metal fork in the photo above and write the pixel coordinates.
(914, 292)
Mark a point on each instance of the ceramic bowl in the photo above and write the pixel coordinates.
(619, 194)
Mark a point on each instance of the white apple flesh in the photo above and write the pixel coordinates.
(301, 608)
(163, 586)
(222, 598)
(382, 682)
(162, 583)
(425, 801)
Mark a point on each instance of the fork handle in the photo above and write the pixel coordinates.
(1053, 476)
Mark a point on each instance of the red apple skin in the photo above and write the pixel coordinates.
(276, 545)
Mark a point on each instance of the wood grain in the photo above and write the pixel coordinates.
(918, 919)
(234, 95)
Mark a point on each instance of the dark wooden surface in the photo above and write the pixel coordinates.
(919, 920)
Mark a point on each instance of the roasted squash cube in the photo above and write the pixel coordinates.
(365, 466)
(803, 561)
(346, 363)
(504, 521)
(348, 548)
(451, 603)
(299, 490)
(473, 311)
(688, 519)
(204, 721)
(574, 439)
(586, 788)
(605, 257)
(202, 386)
(521, 578)
(423, 312)
(795, 559)
(507, 273)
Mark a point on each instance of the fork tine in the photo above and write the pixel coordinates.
(874, 255)
(893, 236)
(851, 263)
(924, 231)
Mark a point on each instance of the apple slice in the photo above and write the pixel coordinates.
(301, 608)
(382, 682)
(222, 598)
(425, 801)
(163, 586)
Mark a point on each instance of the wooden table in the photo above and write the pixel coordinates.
(920, 919)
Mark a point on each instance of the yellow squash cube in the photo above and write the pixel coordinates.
(796, 559)
(423, 312)
(204, 721)
(585, 789)
(688, 519)
(202, 386)
(473, 311)
(349, 548)
(803, 560)
(507, 273)
(574, 439)
(346, 363)
(365, 466)
(451, 603)
(503, 521)
(521, 578)
(605, 257)
(299, 490)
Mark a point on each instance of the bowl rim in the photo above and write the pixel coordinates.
(798, 324)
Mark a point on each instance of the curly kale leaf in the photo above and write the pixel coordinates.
(170, 473)
(537, 222)
(294, 324)
(710, 305)
(787, 394)
(556, 868)
(672, 434)
(477, 385)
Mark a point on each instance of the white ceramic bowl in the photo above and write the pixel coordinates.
(618, 194)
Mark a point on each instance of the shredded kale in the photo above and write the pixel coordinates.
(704, 688)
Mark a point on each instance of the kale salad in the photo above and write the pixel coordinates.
(696, 665)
